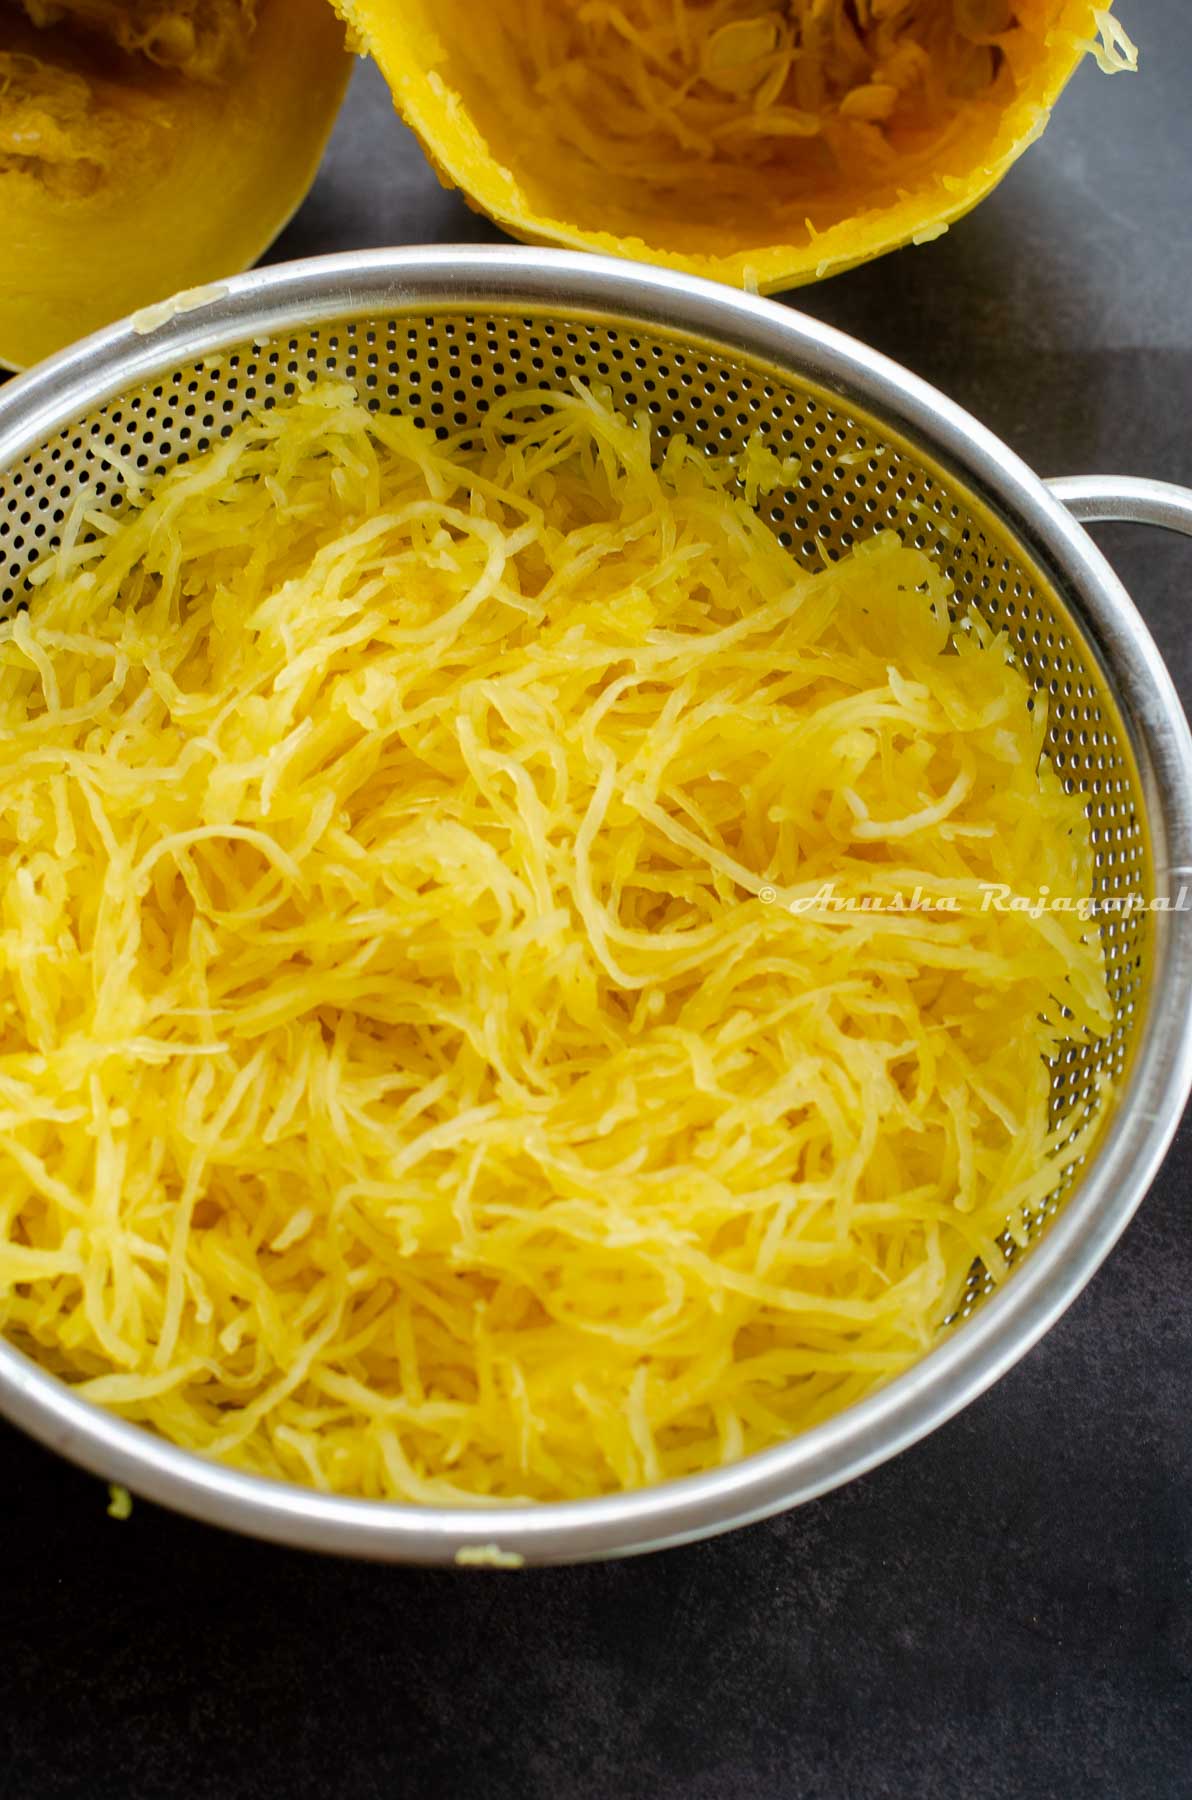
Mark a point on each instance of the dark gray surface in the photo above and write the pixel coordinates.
(1005, 1612)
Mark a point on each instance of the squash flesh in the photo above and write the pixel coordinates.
(123, 180)
(763, 146)
(58, 131)
(197, 38)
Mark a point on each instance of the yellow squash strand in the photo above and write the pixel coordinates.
(418, 1074)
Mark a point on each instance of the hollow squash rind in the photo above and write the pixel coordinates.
(230, 165)
(402, 37)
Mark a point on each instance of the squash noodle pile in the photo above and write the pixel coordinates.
(416, 1078)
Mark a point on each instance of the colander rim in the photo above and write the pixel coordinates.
(460, 278)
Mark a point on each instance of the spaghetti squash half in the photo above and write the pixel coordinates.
(148, 146)
(764, 146)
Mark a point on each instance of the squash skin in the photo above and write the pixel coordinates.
(229, 162)
(410, 43)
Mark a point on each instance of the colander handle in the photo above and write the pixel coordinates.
(1126, 499)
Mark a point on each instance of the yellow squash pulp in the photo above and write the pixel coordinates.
(148, 146)
(762, 146)
(421, 1072)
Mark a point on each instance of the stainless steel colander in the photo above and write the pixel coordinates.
(436, 334)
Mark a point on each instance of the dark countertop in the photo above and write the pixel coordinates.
(1002, 1613)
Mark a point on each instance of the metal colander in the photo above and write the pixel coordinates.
(437, 335)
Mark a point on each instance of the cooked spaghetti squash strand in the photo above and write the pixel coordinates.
(420, 1074)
